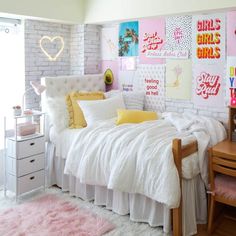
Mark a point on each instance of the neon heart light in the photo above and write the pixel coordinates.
(49, 39)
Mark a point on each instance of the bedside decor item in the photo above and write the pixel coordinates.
(52, 215)
(38, 89)
(17, 110)
(26, 128)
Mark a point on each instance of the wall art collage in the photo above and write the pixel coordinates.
(182, 57)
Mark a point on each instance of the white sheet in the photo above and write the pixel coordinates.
(137, 158)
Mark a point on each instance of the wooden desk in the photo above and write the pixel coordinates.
(225, 149)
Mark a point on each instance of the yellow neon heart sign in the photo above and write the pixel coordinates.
(45, 39)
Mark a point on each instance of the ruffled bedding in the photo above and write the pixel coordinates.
(138, 158)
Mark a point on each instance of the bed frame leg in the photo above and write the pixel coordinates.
(177, 212)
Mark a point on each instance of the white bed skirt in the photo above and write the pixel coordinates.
(140, 208)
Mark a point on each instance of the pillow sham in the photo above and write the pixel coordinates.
(57, 111)
(133, 100)
(76, 117)
(101, 109)
(134, 116)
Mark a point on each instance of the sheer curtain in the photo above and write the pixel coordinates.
(12, 67)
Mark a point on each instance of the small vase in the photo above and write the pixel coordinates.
(17, 112)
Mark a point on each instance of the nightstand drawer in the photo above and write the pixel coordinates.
(26, 165)
(27, 182)
(25, 148)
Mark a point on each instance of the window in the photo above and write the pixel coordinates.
(12, 68)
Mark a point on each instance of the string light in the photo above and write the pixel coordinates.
(51, 39)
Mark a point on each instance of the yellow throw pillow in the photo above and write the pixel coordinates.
(134, 116)
(76, 116)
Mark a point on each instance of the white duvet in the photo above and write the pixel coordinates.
(137, 158)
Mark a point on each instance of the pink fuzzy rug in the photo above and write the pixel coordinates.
(51, 216)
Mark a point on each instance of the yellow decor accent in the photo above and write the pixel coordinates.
(51, 40)
(76, 116)
(134, 116)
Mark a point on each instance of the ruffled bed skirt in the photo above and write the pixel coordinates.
(140, 208)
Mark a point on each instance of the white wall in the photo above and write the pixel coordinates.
(100, 11)
(60, 10)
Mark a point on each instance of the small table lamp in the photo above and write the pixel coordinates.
(38, 89)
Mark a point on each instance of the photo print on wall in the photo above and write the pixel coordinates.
(151, 80)
(231, 33)
(208, 88)
(179, 33)
(208, 42)
(109, 43)
(152, 39)
(128, 39)
(179, 79)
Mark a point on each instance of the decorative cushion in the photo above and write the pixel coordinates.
(101, 109)
(225, 186)
(133, 100)
(57, 111)
(135, 116)
(76, 117)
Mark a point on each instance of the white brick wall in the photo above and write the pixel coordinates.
(37, 64)
(92, 49)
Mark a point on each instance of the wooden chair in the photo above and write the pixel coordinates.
(222, 174)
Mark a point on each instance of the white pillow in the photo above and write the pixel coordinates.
(58, 114)
(97, 110)
(132, 100)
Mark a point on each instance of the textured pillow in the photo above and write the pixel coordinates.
(134, 116)
(57, 111)
(101, 109)
(132, 100)
(76, 117)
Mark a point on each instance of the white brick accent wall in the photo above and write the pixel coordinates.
(92, 56)
(77, 50)
(37, 64)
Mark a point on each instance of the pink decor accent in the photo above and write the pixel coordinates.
(233, 101)
(50, 215)
(151, 38)
(231, 36)
(226, 186)
(38, 88)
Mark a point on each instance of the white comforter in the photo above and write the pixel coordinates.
(138, 158)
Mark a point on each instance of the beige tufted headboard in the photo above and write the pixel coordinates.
(61, 85)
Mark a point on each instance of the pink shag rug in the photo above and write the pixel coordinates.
(51, 216)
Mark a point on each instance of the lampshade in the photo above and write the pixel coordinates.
(38, 88)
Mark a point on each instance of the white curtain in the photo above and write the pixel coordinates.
(12, 78)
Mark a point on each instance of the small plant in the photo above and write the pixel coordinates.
(16, 107)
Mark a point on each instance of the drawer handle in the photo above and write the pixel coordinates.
(31, 144)
(32, 160)
(31, 178)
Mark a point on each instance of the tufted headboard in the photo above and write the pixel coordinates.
(61, 85)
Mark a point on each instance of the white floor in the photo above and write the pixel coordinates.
(123, 224)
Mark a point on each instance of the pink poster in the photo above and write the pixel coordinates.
(152, 39)
(208, 88)
(231, 33)
(113, 65)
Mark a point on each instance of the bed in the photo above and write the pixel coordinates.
(181, 211)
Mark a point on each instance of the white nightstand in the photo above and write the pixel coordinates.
(24, 156)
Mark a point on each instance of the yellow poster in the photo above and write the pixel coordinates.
(179, 79)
